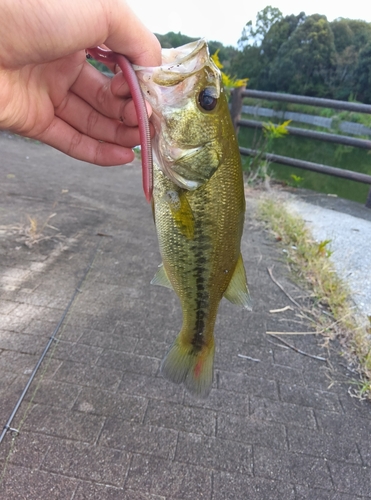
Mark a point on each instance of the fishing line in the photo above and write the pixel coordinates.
(7, 426)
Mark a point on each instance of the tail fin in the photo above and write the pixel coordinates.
(191, 366)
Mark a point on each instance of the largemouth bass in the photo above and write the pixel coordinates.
(198, 204)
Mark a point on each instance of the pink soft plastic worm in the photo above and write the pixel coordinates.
(140, 107)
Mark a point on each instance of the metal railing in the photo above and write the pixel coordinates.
(236, 110)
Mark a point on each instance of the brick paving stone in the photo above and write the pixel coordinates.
(84, 375)
(168, 478)
(90, 463)
(364, 447)
(329, 421)
(271, 463)
(227, 357)
(76, 352)
(227, 486)
(221, 400)
(320, 376)
(239, 382)
(251, 431)
(287, 375)
(299, 395)
(21, 483)
(55, 394)
(117, 340)
(151, 387)
(285, 413)
(305, 493)
(355, 408)
(153, 347)
(12, 323)
(215, 453)
(99, 421)
(324, 445)
(129, 362)
(7, 306)
(63, 423)
(25, 449)
(98, 402)
(244, 327)
(89, 491)
(351, 479)
(19, 342)
(310, 471)
(179, 417)
(129, 436)
(41, 327)
(6, 379)
(290, 358)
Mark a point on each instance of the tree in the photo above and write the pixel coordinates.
(172, 39)
(253, 35)
(304, 63)
(247, 64)
(278, 34)
(363, 75)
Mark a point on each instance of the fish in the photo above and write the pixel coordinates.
(198, 204)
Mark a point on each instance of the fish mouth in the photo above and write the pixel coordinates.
(185, 60)
(169, 88)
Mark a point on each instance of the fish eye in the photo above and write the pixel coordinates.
(207, 99)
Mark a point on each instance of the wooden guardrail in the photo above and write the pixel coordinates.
(236, 109)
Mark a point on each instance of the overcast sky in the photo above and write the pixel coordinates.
(223, 20)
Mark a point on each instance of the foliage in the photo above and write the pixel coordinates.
(172, 39)
(306, 55)
(264, 21)
(258, 166)
(299, 54)
(229, 82)
(276, 131)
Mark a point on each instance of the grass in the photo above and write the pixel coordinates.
(332, 311)
(32, 232)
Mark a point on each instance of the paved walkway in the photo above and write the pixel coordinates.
(99, 422)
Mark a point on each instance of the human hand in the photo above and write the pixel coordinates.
(49, 92)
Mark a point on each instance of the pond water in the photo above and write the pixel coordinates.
(335, 155)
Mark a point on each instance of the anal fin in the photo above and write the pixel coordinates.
(237, 291)
(161, 279)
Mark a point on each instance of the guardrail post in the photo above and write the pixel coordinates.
(368, 201)
(236, 106)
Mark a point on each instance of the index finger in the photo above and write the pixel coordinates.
(133, 39)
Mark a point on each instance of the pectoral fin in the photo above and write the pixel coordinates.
(161, 279)
(237, 291)
(181, 212)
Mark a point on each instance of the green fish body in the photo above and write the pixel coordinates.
(198, 204)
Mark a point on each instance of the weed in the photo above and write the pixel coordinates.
(295, 181)
(33, 233)
(333, 314)
(257, 167)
